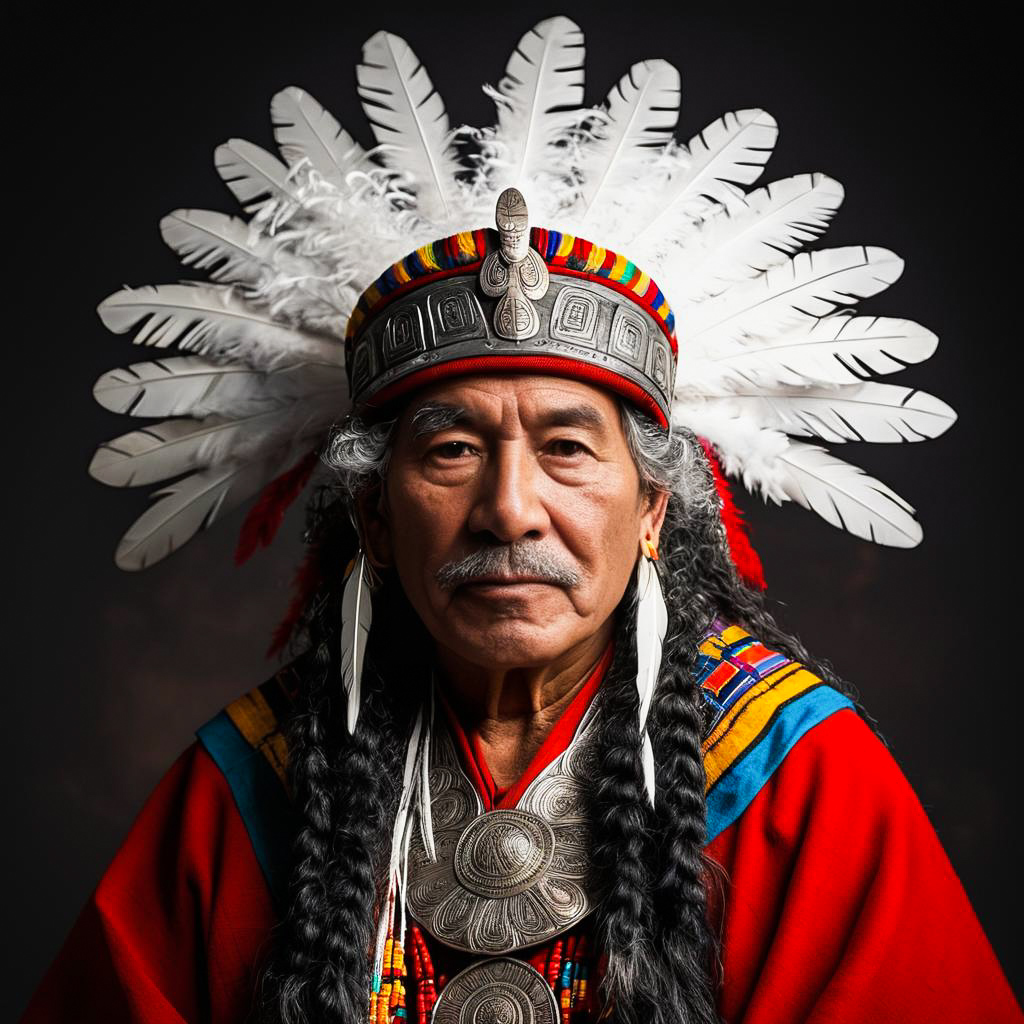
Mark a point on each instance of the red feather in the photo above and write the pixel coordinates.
(744, 557)
(304, 585)
(265, 517)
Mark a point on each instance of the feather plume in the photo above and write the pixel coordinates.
(729, 153)
(303, 130)
(651, 624)
(809, 286)
(847, 497)
(192, 504)
(194, 386)
(536, 101)
(746, 237)
(837, 349)
(636, 122)
(409, 117)
(224, 246)
(210, 320)
(356, 618)
(859, 412)
(255, 176)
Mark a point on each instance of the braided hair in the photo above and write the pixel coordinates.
(651, 918)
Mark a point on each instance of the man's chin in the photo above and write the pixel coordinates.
(510, 643)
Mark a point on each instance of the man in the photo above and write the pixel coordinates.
(545, 755)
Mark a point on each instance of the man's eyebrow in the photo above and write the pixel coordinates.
(573, 416)
(433, 417)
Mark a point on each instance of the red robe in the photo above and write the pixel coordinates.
(839, 905)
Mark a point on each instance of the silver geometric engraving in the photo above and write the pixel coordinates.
(629, 337)
(507, 879)
(403, 334)
(498, 991)
(574, 316)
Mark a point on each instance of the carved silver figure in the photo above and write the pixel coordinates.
(506, 879)
(515, 274)
(498, 991)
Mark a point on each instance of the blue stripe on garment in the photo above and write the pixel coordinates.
(733, 792)
(260, 797)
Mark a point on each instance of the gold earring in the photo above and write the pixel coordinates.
(648, 550)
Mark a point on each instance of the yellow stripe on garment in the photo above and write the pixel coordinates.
(565, 246)
(401, 274)
(641, 284)
(619, 268)
(427, 255)
(751, 713)
(467, 245)
(595, 259)
(256, 722)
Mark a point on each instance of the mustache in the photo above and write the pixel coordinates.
(520, 558)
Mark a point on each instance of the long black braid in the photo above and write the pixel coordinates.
(651, 920)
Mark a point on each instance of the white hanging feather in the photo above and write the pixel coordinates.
(356, 617)
(651, 625)
(303, 130)
(537, 102)
(425, 812)
(409, 118)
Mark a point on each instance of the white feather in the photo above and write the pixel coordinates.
(425, 813)
(194, 503)
(748, 236)
(647, 764)
(858, 412)
(536, 102)
(837, 349)
(304, 130)
(356, 619)
(255, 176)
(224, 246)
(847, 497)
(637, 121)
(729, 153)
(408, 116)
(194, 386)
(211, 320)
(651, 624)
(809, 286)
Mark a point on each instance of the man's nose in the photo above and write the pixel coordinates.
(509, 504)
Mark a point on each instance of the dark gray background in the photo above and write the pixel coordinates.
(112, 672)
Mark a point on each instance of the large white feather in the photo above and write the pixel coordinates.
(838, 349)
(746, 237)
(194, 386)
(194, 503)
(536, 102)
(356, 619)
(651, 624)
(637, 121)
(847, 497)
(809, 286)
(211, 320)
(224, 246)
(408, 117)
(255, 176)
(729, 153)
(858, 412)
(303, 130)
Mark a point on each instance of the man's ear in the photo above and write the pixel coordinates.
(654, 516)
(374, 527)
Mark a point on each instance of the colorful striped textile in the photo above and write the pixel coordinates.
(465, 252)
(762, 702)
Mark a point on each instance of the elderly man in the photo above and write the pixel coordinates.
(545, 756)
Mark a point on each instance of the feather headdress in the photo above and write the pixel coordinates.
(774, 361)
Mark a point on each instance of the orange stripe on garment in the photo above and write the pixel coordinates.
(256, 722)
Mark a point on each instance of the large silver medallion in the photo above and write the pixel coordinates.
(507, 879)
(499, 991)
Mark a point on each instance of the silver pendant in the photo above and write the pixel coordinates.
(499, 991)
(507, 879)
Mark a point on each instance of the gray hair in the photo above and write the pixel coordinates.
(673, 461)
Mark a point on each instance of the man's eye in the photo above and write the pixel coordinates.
(451, 450)
(564, 448)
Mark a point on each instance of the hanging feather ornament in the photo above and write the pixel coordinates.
(356, 618)
(651, 625)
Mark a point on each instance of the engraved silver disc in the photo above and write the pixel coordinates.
(503, 853)
(498, 991)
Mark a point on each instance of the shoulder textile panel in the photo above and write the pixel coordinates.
(761, 701)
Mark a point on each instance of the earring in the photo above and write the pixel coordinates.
(356, 616)
(651, 626)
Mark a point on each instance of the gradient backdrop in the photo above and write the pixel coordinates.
(112, 672)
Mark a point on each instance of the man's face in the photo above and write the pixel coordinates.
(513, 515)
